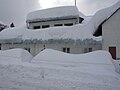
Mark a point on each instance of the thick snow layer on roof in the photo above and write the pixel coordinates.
(51, 13)
(16, 55)
(12, 33)
(73, 32)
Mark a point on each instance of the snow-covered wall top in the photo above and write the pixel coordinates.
(56, 33)
(53, 13)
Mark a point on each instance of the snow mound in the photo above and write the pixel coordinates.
(96, 57)
(17, 55)
(53, 13)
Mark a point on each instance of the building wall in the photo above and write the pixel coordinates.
(52, 23)
(111, 33)
(36, 48)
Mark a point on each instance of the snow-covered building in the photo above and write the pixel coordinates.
(75, 39)
(109, 29)
(53, 17)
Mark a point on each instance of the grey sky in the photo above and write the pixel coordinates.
(16, 10)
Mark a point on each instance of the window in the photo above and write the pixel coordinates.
(68, 24)
(45, 26)
(67, 50)
(28, 49)
(86, 50)
(36, 27)
(58, 25)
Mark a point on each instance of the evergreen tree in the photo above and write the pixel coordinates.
(12, 25)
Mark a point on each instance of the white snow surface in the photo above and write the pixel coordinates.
(65, 72)
(56, 12)
(18, 55)
(81, 31)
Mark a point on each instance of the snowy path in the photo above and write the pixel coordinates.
(20, 77)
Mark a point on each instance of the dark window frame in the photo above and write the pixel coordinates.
(36, 27)
(45, 26)
(57, 25)
(68, 24)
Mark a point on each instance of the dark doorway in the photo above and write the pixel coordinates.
(112, 50)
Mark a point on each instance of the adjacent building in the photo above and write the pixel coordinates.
(109, 29)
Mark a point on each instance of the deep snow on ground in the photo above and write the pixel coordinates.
(54, 70)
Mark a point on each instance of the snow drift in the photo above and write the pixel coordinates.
(16, 55)
(96, 57)
(88, 63)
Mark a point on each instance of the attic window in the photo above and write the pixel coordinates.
(36, 27)
(68, 24)
(58, 25)
(67, 50)
(98, 32)
(80, 19)
(45, 26)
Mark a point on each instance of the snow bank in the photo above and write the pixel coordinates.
(75, 32)
(96, 57)
(15, 55)
(54, 70)
(97, 62)
(54, 13)
(117, 65)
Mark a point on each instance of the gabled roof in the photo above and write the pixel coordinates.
(106, 14)
(63, 12)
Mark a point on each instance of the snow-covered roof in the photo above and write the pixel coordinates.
(62, 12)
(81, 31)
(57, 33)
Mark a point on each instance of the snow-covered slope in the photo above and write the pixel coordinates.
(53, 13)
(15, 55)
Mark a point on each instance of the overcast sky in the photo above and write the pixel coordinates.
(16, 10)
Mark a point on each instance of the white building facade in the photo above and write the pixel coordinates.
(111, 34)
